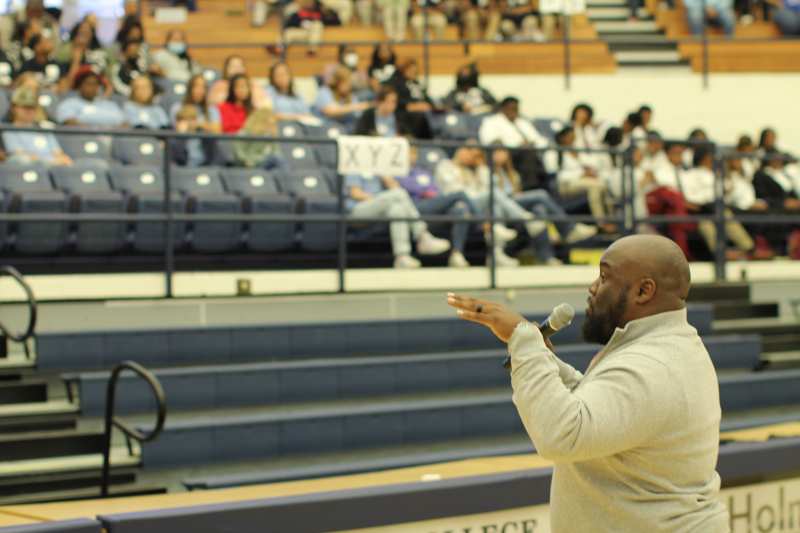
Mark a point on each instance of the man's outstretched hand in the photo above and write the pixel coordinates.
(498, 318)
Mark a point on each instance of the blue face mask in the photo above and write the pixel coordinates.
(176, 48)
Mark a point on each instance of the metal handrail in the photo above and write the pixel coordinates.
(30, 330)
(130, 432)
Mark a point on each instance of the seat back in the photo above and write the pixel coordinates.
(140, 180)
(138, 150)
(307, 183)
(197, 180)
(250, 182)
(81, 178)
(79, 146)
(25, 178)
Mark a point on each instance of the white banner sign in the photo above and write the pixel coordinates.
(567, 7)
(373, 156)
(764, 507)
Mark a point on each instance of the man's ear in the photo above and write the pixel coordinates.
(646, 291)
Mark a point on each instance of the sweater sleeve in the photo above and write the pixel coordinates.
(625, 403)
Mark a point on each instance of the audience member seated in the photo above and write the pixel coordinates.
(513, 131)
(208, 118)
(82, 49)
(414, 97)
(373, 197)
(697, 139)
(237, 107)
(713, 12)
(174, 59)
(520, 21)
(261, 9)
(654, 154)
(479, 19)
(260, 154)
(774, 185)
(582, 120)
(633, 131)
(191, 152)
(468, 96)
(219, 90)
(20, 49)
(88, 108)
(386, 119)
(285, 102)
(349, 59)
(305, 25)
(29, 146)
(337, 102)
(787, 16)
(436, 19)
(382, 67)
(645, 113)
(746, 148)
(430, 201)
(395, 18)
(7, 69)
(131, 29)
(130, 65)
(698, 190)
(537, 201)
(32, 10)
(140, 111)
(740, 197)
(47, 71)
(467, 172)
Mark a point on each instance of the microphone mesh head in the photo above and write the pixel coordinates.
(562, 316)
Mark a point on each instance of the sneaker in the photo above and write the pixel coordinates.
(504, 234)
(580, 232)
(427, 244)
(535, 227)
(457, 260)
(406, 261)
(502, 259)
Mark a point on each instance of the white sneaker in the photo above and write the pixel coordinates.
(427, 244)
(457, 260)
(504, 234)
(502, 259)
(535, 227)
(580, 232)
(406, 261)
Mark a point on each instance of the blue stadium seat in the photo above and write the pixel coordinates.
(207, 195)
(225, 155)
(314, 191)
(429, 157)
(49, 101)
(260, 193)
(327, 154)
(549, 127)
(79, 146)
(455, 126)
(291, 129)
(30, 191)
(138, 150)
(299, 155)
(171, 92)
(144, 187)
(92, 194)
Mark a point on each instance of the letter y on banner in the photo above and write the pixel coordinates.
(372, 156)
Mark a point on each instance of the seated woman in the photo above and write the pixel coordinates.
(140, 110)
(174, 58)
(337, 102)
(371, 197)
(82, 49)
(30, 146)
(208, 118)
(234, 65)
(285, 102)
(191, 152)
(87, 108)
(382, 67)
(260, 154)
(238, 106)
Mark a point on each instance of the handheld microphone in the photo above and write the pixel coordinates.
(560, 317)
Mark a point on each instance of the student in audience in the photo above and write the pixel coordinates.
(382, 67)
(370, 196)
(787, 16)
(714, 12)
(386, 119)
(467, 172)
(348, 58)
(130, 65)
(207, 118)
(191, 152)
(28, 146)
(285, 102)
(697, 138)
(32, 10)
(30, 80)
(633, 130)
(82, 49)
(174, 59)
(767, 141)
(395, 19)
(740, 197)
(42, 63)
(140, 110)
(337, 102)
(88, 108)
(260, 154)
(235, 65)
(413, 95)
(436, 19)
(480, 19)
(654, 155)
(646, 114)
(468, 96)
(582, 120)
(238, 106)
(305, 25)
(20, 49)
(746, 149)
(698, 190)
(520, 21)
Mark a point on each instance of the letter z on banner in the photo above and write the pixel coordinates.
(373, 156)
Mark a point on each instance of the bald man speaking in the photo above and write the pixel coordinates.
(635, 439)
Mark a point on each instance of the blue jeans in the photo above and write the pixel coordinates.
(457, 204)
(274, 162)
(788, 21)
(697, 18)
(539, 202)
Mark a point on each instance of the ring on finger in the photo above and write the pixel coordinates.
(479, 309)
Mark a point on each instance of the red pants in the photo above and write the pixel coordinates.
(666, 201)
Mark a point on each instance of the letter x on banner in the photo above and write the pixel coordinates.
(373, 156)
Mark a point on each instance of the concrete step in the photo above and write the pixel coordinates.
(38, 416)
(644, 58)
(613, 13)
(626, 27)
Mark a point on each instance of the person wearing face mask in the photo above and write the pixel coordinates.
(349, 59)
(468, 96)
(87, 108)
(174, 58)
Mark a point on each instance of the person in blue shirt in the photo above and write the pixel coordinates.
(207, 116)
(140, 111)
(285, 102)
(787, 17)
(718, 12)
(337, 102)
(87, 108)
(31, 146)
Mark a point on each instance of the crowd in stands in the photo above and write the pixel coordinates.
(540, 168)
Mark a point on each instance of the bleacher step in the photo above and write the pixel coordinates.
(38, 416)
(29, 446)
(52, 463)
(732, 310)
(23, 392)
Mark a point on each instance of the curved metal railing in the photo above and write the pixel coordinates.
(30, 330)
(130, 432)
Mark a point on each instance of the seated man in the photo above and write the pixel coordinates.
(373, 197)
(30, 146)
(775, 185)
(716, 12)
(87, 108)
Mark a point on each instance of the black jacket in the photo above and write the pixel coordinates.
(770, 190)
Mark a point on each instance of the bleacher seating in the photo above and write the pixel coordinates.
(84, 146)
(138, 150)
